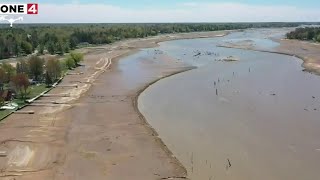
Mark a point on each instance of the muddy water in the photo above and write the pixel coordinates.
(254, 119)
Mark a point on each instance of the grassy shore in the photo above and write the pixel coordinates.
(34, 90)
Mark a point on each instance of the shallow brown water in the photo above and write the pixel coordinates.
(263, 124)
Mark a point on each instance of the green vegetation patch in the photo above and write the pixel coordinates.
(306, 33)
(59, 39)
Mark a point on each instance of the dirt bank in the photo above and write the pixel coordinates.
(94, 131)
(307, 51)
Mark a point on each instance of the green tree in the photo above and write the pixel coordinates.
(77, 57)
(34, 38)
(51, 48)
(17, 49)
(40, 49)
(66, 48)
(26, 47)
(53, 68)
(73, 42)
(70, 64)
(36, 67)
(9, 71)
(59, 48)
(318, 38)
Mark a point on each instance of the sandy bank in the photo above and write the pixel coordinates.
(95, 132)
(307, 51)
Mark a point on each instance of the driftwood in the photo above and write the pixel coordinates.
(24, 112)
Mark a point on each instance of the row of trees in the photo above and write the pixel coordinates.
(59, 39)
(306, 33)
(35, 70)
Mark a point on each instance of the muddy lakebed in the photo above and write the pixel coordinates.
(255, 117)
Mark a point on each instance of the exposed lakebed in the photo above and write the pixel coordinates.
(254, 118)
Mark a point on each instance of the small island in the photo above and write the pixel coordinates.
(231, 59)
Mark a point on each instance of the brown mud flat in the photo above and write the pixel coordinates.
(95, 130)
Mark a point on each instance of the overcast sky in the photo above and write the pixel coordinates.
(121, 11)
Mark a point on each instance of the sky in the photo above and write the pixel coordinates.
(135, 11)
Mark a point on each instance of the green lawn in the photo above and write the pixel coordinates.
(34, 91)
(4, 113)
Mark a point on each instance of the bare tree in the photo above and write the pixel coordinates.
(2, 78)
(21, 83)
(53, 69)
(36, 67)
(22, 67)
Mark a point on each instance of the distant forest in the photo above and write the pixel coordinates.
(306, 33)
(61, 38)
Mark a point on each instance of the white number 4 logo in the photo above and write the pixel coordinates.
(32, 8)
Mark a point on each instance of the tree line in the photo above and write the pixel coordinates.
(35, 70)
(305, 33)
(62, 38)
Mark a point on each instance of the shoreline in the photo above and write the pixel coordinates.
(314, 68)
(43, 145)
(177, 166)
(114, 53)
(310, 64)
(244, 150)
(147, 124)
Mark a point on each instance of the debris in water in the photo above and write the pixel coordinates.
(198, 54)
(229, 164)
